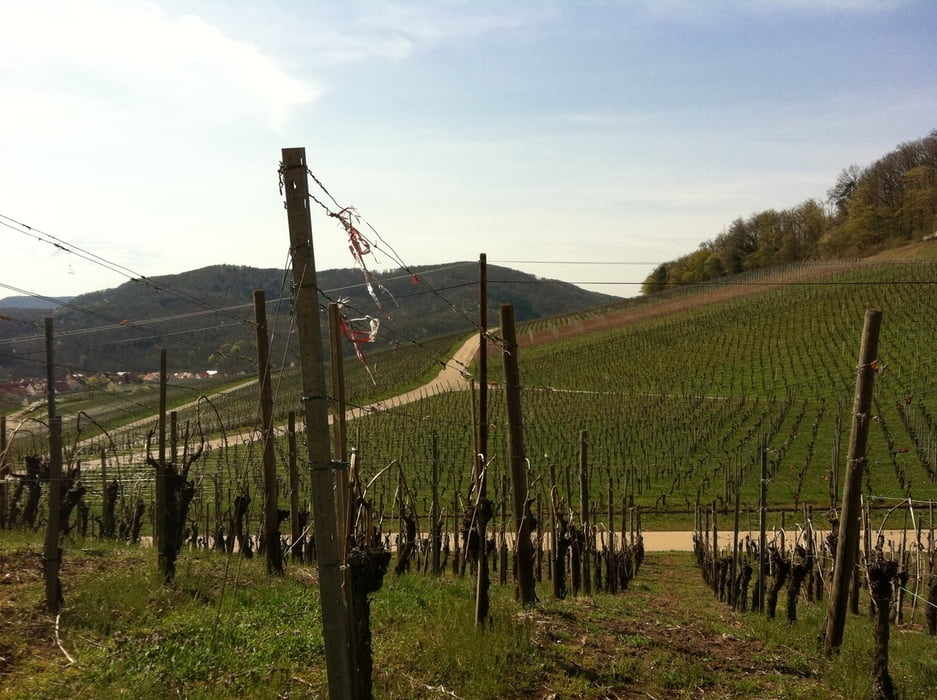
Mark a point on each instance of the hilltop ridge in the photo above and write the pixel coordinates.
(204, 318)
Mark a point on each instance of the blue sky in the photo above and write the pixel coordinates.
(148, 134)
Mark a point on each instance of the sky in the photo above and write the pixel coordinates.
(584, 141)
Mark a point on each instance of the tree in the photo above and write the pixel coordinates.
(842, 190)
(917, 215)
(657, 280)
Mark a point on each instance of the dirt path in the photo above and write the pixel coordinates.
(453, 376)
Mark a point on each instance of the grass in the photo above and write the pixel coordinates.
(225, 629)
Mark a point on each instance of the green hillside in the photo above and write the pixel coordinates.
(677, 406)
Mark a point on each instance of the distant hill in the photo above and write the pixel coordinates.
(24, 302)
(205, 318)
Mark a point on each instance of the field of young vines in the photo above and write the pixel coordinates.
(677, 409)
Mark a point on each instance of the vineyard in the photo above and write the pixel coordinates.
(676, 410)
(677, 407)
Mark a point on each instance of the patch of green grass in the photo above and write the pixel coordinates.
(226, 629)
(96, 608)
(219, 630)
(425, 637)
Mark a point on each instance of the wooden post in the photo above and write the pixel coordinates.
(173, 437)
(161, 536)
(538, 551)
(50, 370)
(335, 623)
(483, 510)
(763, 528)
(715, 564)
(733, 593)
(339, 430)
(296, 535)
(435, 526)
(611, 514)
(848, 543)
(557, 561)
(503, 550)
(519, 498)
(271, 528)
(53, 554)
(834, 469)
(584, 511)
(456, 531)
(483, 368)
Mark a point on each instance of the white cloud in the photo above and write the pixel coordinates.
(136, 51)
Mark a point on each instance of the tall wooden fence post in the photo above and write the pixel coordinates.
(161, 535)
(523, 547)
(483, 509)
(763, 528)
(271, 528)
(584, 507)
(53, 553)
(435, 526)
(297, 539)
(848, 543)
(339, 429)
(335, 623)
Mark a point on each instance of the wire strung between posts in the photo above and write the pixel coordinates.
(393, 333)
(72, 249)
(389, 250)
(358, 243)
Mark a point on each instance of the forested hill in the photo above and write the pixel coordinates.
(204, 318)
(887, 204)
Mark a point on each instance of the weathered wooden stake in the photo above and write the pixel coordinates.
(296, 534)
(557, 553)
(848, 543)
(53, 553)
(520, 502)
(335, 627)
(161, 534)
(715, 564)
(483, 508)
(435, 524)
(584, 511)
(339, 430)
(763, 528)
(271, 526)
